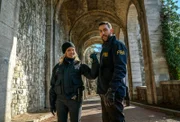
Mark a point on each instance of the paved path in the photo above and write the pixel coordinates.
(92, 113)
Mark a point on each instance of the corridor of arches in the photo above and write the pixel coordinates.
(32, 32)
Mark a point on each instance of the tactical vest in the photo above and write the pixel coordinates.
(68, 79)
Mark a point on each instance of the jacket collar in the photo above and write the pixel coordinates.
(109, 41)
(70, 61)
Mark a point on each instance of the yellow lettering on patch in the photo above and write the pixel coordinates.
(121, 52)
(105, 54)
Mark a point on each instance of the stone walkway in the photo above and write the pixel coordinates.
(92, 113)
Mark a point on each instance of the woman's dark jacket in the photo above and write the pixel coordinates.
(66, 78)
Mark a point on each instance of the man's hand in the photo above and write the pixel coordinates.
(53, 110)
(93, 56)
(109, 97)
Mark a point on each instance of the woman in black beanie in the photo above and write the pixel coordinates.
(67, 86)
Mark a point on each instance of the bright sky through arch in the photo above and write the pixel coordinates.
(178, 6)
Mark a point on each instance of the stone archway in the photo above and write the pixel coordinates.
(135, 50)
(149, 80)
(45, 28)
(80, 24)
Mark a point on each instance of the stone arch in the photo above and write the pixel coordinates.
(135, 50)
(85, 59)
(66, 14)
(93, 17)
(60, 4)
(149, 78)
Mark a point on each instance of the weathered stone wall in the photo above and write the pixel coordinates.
(153, 8)
(53, 42)
(28, 85)
(159, 64)
(58, 43)
(170, 93)
(0, 4)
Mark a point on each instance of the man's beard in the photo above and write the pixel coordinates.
(108, 36)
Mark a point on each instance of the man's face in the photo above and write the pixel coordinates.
(70, 52)
(105, 32)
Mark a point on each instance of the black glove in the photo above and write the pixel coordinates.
(53, 109)
(109, 97)
(93, 56)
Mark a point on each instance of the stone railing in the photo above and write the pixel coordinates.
(141, 93)
(168, 94)
(171, 93)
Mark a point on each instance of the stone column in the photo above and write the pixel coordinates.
(49, 47)
(8, 28)
(134, 49)
(159, 64)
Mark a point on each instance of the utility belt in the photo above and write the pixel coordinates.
(79, 93)
(76, 91)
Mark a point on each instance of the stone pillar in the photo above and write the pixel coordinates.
(0, 5)
(29, 76)
(57, 43)
(159, 64)
(8, 28)
(134, 49)
(49, 47)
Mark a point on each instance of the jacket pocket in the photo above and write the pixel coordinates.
(58, 89)
(58, 82)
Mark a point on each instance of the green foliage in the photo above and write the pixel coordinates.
(171, 36)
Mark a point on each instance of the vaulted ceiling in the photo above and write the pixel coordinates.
(79, 19)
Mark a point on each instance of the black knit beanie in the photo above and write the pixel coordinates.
(66, 45)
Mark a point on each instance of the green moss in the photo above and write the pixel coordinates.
(171, 37)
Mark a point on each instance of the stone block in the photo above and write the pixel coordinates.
(6, 31)
(137, 64)
(154, 30)
(135, 60)
(170, 93)
(3, 70)
(135, 84)
(134, 52)
(161, 77)
(155, 39)
(7, 14)
(16, 76)
(153, 13)
(6, 44)
(160, 61)
(4, 54)
(142, 93)
(150, 2)
(154, 7)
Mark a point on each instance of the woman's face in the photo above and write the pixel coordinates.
(70, 52)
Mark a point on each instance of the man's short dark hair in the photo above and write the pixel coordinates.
(106, 23)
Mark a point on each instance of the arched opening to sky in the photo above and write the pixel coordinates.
(178, 6)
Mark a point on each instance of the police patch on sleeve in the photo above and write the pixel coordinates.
(121, 52)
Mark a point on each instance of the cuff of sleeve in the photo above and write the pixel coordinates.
(114, 87)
